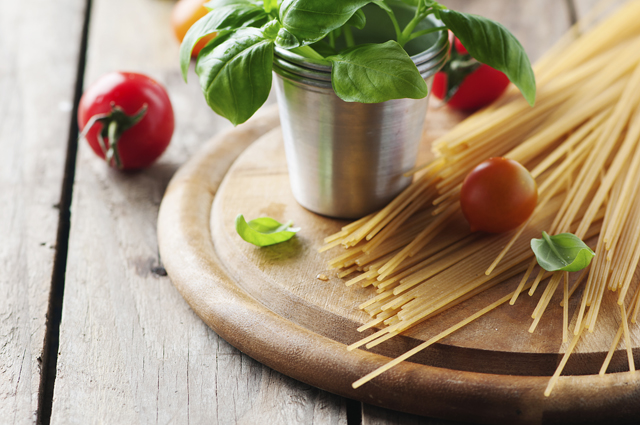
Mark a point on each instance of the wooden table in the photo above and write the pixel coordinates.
(91, 328)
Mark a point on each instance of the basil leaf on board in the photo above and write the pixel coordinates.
(372, 73)
(221, 19)
(491, 43)
(312, 20)
(235, 75)
(563, 252)
(358, 20)
(264, 231)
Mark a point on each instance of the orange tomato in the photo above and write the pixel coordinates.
(184, 14)
(498, 195)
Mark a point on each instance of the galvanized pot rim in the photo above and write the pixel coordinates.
(317, 72)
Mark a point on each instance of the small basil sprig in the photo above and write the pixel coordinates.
(235, 71)
(264, 231)
(563, 252)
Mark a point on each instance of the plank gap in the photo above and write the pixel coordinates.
(56, 293)
(354, 412)
(573, 12)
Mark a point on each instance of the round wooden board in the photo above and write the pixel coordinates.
(269, 303)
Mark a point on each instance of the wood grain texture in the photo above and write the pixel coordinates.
(36, 92)
(374, 415)
(131, 350)
(283, 278)
(234, 312)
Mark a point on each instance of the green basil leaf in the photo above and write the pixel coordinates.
(235, 75)
(358, 20)
(225, 18)
(271, 29)
(372, 73)
(563, 252)
(269, 5)
(264, 231)
(214, 4)
(384, 6)
(286, 40)
(491, 43)
(312, 20)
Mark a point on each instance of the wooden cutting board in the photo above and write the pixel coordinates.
(271, 304)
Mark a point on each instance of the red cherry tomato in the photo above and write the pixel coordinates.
(498, 195)
(113, 101)
(459, 47)
(480, 86)
(184, 14)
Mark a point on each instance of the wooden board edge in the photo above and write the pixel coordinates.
(189, 257)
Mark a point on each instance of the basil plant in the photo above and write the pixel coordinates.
(235, 67)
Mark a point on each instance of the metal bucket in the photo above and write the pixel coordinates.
(345, 159)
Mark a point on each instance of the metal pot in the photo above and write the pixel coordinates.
(346, 159)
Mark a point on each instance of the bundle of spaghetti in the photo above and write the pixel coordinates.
(581, 143)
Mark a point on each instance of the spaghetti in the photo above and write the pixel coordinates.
(582, 145)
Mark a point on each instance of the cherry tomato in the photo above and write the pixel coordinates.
(466, 84)
(459, 47)
(127, 118)
(498, 195)
(184, 14)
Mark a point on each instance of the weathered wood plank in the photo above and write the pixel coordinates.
(131, 349)
(374, 415)
(39, 51)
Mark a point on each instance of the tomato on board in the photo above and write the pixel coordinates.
(127, 118)
(467, 84)
(184, 14)
(498, 195)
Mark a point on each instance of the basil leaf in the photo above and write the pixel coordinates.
(563, 252)
(221, 19)
(269, 5)
(384, 6)
(372, 73)
(271, 29)
(264, 231)
(358, 20)
(235, 75)
(491, 43)
(312, 20)
(286, 40)
(214, 4)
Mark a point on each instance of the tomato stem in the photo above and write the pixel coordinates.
(112, 152)
(114, 124)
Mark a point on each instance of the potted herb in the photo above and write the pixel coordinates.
(353, 78)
